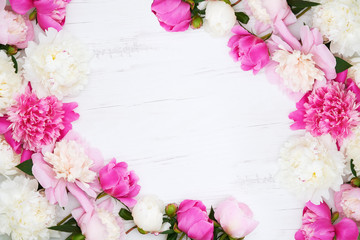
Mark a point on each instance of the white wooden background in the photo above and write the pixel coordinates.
(183, 115)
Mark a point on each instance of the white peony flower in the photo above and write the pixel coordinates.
(354, 71)
(339, 21)
(148, 213)
(58, 65)
(62, 161)
(10, 83)
(24, 212)
(298, 70)
(311, 166)
(219, 18)
(8, 159)
(351, 149)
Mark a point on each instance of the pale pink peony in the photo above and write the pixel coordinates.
(99, 222)
(317, 225)
(50, 13)
(15, 29)
(249, 49)
(71, 165)
(347, 202)
(118, 182)
(173, 15)
(268, 12)
(235, 218)
(194, 221)
(37, 122)
(333, 109)
(296, 65)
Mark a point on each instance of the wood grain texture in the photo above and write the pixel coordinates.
(183, 115)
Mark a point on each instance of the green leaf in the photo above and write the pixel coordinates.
(341, 65)
(170, 231)
(125, 214)
(78, 236)
(242, 17)
(212, 214)
(26, 167)
(15, 64)
(172, 236)
(352, 167)
(301, 4)
(71, 221)
(66, 228)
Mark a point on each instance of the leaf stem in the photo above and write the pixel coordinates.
(182, 236)
(64, 219)
(128, 231)
(236, 3)
(303, 12)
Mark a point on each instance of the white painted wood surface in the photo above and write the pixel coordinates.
(183, 115)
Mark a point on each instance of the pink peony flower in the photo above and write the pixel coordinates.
(268, 12)
(118, 182)
(333, 109)
(50, 13)
(250, 50)
(347, 202)
(70, 165)
(173, 15)
(229, 212)
(193, 220)
(39, 122)
(297, 65)
(99, 222)
(15, 29)
(317, 225)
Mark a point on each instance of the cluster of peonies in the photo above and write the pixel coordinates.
(190, 218)
(316, 62)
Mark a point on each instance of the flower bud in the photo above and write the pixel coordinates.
(142, 231)
(355, 182)
(176, 229)
(171, 209)
(33, 15)
(12, 50)
(196, 22)
(334, 217)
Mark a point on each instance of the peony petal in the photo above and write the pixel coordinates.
(43, 172)
(26, 155)
(80, 196)
(21, 6)
(346, 229)
(201, 230)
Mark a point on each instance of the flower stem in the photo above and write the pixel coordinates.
(303, 12)
(236, 3)
(182, 236)
(64, 219)
(128, 231)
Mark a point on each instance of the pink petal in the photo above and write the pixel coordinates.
(43, 172)
(346, 229)
(80, 196)
(26, 155)
(21, 6)
(46, 22)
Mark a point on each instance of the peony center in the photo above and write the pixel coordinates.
(298, 70)
(110, 223)
(70, 162)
